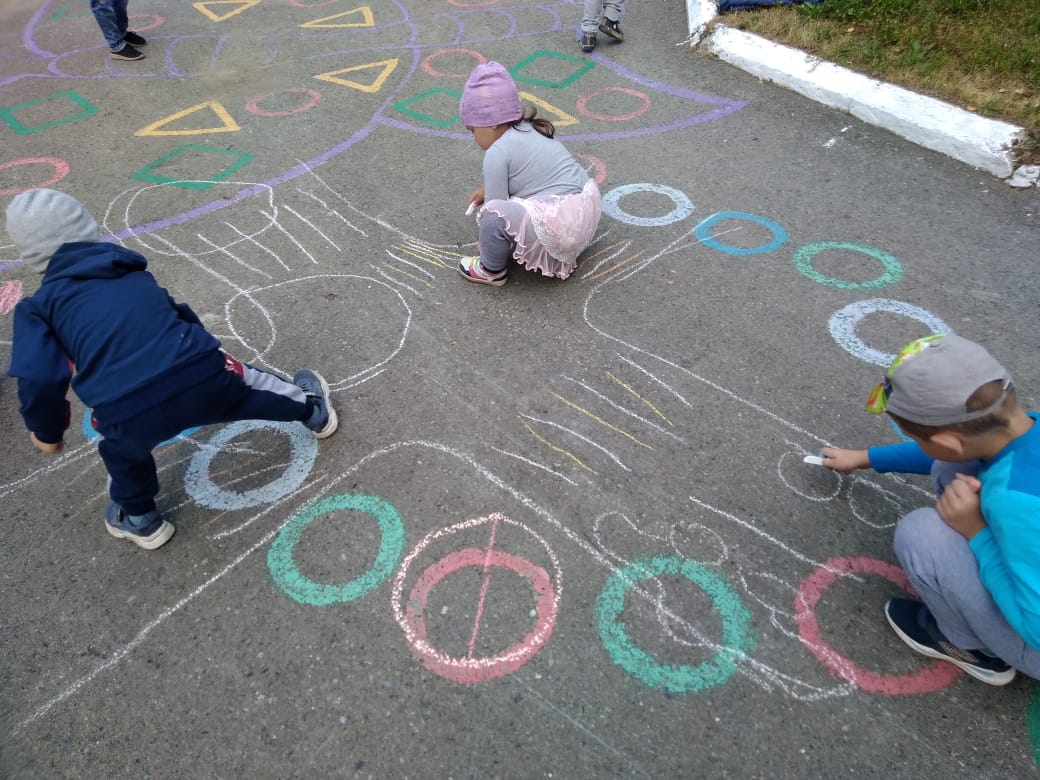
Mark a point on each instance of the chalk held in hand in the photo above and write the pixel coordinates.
(472, 205)
(815, 460)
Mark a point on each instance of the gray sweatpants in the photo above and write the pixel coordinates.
(595, 9)
(943, 570)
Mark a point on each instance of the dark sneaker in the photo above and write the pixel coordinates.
(588, 41)
(325, 422)
(916, 626)
(150, 532)
(473, 271)
(611, 28)
(128, 52)
(134, 39)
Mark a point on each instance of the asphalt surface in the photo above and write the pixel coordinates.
(564, 529)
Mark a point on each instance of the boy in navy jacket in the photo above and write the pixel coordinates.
(143, 363)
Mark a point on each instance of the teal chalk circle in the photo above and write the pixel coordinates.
(803, 257)
(737, 641)
(844, 323)
(204, 492)
(703, 233)
(610, 205)
(287, 574)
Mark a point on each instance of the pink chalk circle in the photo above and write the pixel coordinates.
(933, 677)
(469, 670)
(138, 26)
(584, 100)
(601, 168)
(61, 170)
(253, 107)
(427, 63)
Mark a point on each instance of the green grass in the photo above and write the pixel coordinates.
(982, 55)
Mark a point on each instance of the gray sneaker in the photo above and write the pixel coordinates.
(150, 532)
(324, 421)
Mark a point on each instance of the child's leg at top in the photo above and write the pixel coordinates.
(613, 10)
(112, 18)
(945, 573)
(592, 15)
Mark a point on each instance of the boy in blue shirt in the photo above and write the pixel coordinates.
(142, 362)
(974, 558)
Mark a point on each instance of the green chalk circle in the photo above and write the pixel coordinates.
(803, 257)
(288, 576)
(737, 631)
(1033, 726)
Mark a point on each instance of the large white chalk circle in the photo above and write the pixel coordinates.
(203, 491)
(683, 205)
(845, 321)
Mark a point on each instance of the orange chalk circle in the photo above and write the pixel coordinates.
(427, 63)
(229, 125)
(61, 170)
(387, 67)
(241, 5)
(583, 103)
(253, 106)
(367, 20)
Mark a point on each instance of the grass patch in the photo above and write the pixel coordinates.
(981, 55)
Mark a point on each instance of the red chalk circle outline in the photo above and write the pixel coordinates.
(598, 164)
(253, 108)
(61, 170)
(584, 99)
(469, 670)
(933, 677)
(427, 63)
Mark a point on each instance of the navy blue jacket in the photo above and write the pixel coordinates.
(101, 321)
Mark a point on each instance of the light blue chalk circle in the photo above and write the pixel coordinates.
(90, 434)
(204, 492)
(703, 234)
(803, 257)
(843, 324)
(737, 641)
(287, 574)
(610, 205)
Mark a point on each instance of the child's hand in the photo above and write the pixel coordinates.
(845, 460)
(50, 449)
(960, 506)
(477, 196)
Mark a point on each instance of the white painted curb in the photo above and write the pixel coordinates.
(979, 142)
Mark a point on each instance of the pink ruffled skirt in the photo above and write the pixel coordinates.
(550, 234)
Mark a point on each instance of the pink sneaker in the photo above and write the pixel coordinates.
(473, 271)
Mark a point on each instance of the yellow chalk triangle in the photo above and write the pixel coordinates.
(387, 66)
(559, 117)
(368, 20)
(229, 124)
(241, 5)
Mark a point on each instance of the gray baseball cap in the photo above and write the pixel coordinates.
(932, 379)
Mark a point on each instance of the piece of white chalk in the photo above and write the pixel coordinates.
(815, 460)
(472, 205)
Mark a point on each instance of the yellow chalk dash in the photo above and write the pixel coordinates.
(553, 447)
(433, 250)
(613, 267)
(425, 257)
(637, 395)
(405, 273)
(601, 421)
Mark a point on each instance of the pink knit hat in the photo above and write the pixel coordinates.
(490, 97)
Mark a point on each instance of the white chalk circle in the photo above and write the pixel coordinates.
(204, 492)
(843, 324)
(610, 204)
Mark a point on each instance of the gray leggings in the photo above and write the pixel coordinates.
(594, 9)
(944, 571)
(496, 245)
